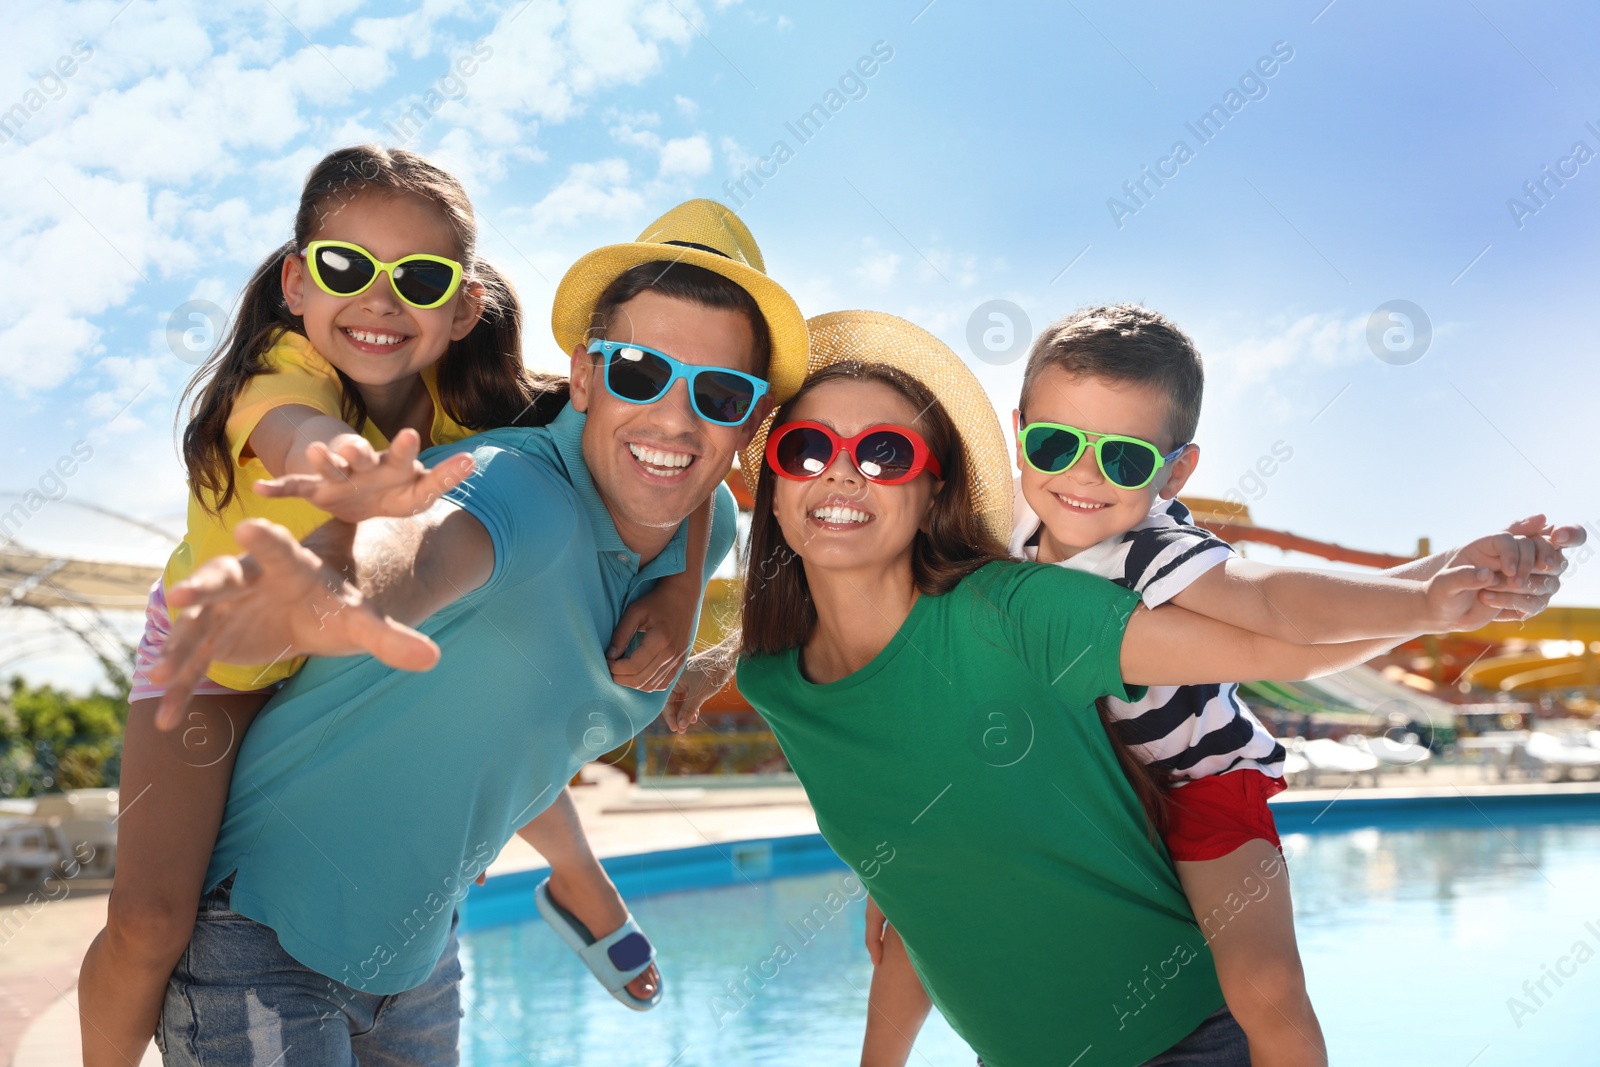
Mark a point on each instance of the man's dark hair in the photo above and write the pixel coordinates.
(685, 281)
(1125, 343)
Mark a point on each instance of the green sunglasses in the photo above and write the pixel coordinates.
(343, 269)
(1127, 462)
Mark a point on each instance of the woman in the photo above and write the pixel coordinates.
(938, 703)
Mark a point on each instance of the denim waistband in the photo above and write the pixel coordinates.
(220, 898)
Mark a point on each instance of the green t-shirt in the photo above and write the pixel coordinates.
(965, 774)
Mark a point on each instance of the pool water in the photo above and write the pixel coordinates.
(1416, 941)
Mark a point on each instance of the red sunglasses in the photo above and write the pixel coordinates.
(888, 455)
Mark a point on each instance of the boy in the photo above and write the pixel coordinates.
(1105, 442)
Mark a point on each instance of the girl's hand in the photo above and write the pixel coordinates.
(279, 601)
(351, 481)
(696, 685)
(663, 618)
(877, 929)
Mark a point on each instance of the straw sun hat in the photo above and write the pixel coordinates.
(873, 337)
(706, 234)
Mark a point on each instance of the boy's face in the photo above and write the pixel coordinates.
(1079, 507)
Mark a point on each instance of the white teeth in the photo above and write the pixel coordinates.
(839, 513)
(1079, 506)
(659, 461)
(372, 338)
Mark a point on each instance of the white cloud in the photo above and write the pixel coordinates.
(687, 157)
(688, 108)
(738, 159)
(590, 191)
(181, 144)
(878, 266)
(308, 15)
(1269, 374)
(1319, 339)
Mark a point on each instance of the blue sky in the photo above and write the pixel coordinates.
(979, 161)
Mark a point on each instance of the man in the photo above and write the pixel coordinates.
(365, 800)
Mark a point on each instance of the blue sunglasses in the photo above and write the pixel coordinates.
(642, 375)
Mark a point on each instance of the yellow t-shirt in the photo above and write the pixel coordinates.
(296, 375)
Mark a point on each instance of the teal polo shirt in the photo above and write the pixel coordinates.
(365, 800)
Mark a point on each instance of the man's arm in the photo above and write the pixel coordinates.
(284, 599)
(410, 568)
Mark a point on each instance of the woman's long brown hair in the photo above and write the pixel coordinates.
(777, 610)
(482, 381)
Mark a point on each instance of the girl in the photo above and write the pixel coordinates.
(375, 332)
(938, 703)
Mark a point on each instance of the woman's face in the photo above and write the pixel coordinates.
(840, 520)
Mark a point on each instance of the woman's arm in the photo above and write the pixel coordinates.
(1173, 646)
(897, 1005)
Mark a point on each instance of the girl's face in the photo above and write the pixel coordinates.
(839, 520)
(375, 337)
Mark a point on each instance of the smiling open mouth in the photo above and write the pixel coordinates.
(375, 337)
(840, 515)
(1079, 505)
(660, 462)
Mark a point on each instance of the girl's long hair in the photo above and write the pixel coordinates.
(482, 381)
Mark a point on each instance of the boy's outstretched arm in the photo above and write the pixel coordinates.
(897, 1004)
(1304, 606)
(1173, 646)
(665, 616)
(1538, 545)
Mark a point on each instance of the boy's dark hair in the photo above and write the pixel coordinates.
(1125, 343)
(684, 281)
(482, 381)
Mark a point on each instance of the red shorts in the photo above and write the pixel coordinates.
(1210, 817)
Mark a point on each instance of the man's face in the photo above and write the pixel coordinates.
(654, 463)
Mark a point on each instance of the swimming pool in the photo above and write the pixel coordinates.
(1420, 923)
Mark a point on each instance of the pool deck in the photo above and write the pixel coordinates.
(41, 946)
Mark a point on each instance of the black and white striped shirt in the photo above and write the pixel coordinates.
(1190, 731)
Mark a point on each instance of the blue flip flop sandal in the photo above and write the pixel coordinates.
(614, 960)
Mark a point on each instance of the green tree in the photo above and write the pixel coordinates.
(51, 740)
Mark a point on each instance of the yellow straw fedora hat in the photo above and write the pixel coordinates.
(706, 234)
(873, 337)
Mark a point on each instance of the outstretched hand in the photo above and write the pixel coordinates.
(1456, 599)
(277, 602)
(352, 481)
(1527, 558)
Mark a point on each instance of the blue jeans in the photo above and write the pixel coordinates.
(237, 998)
(1216, 1042)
